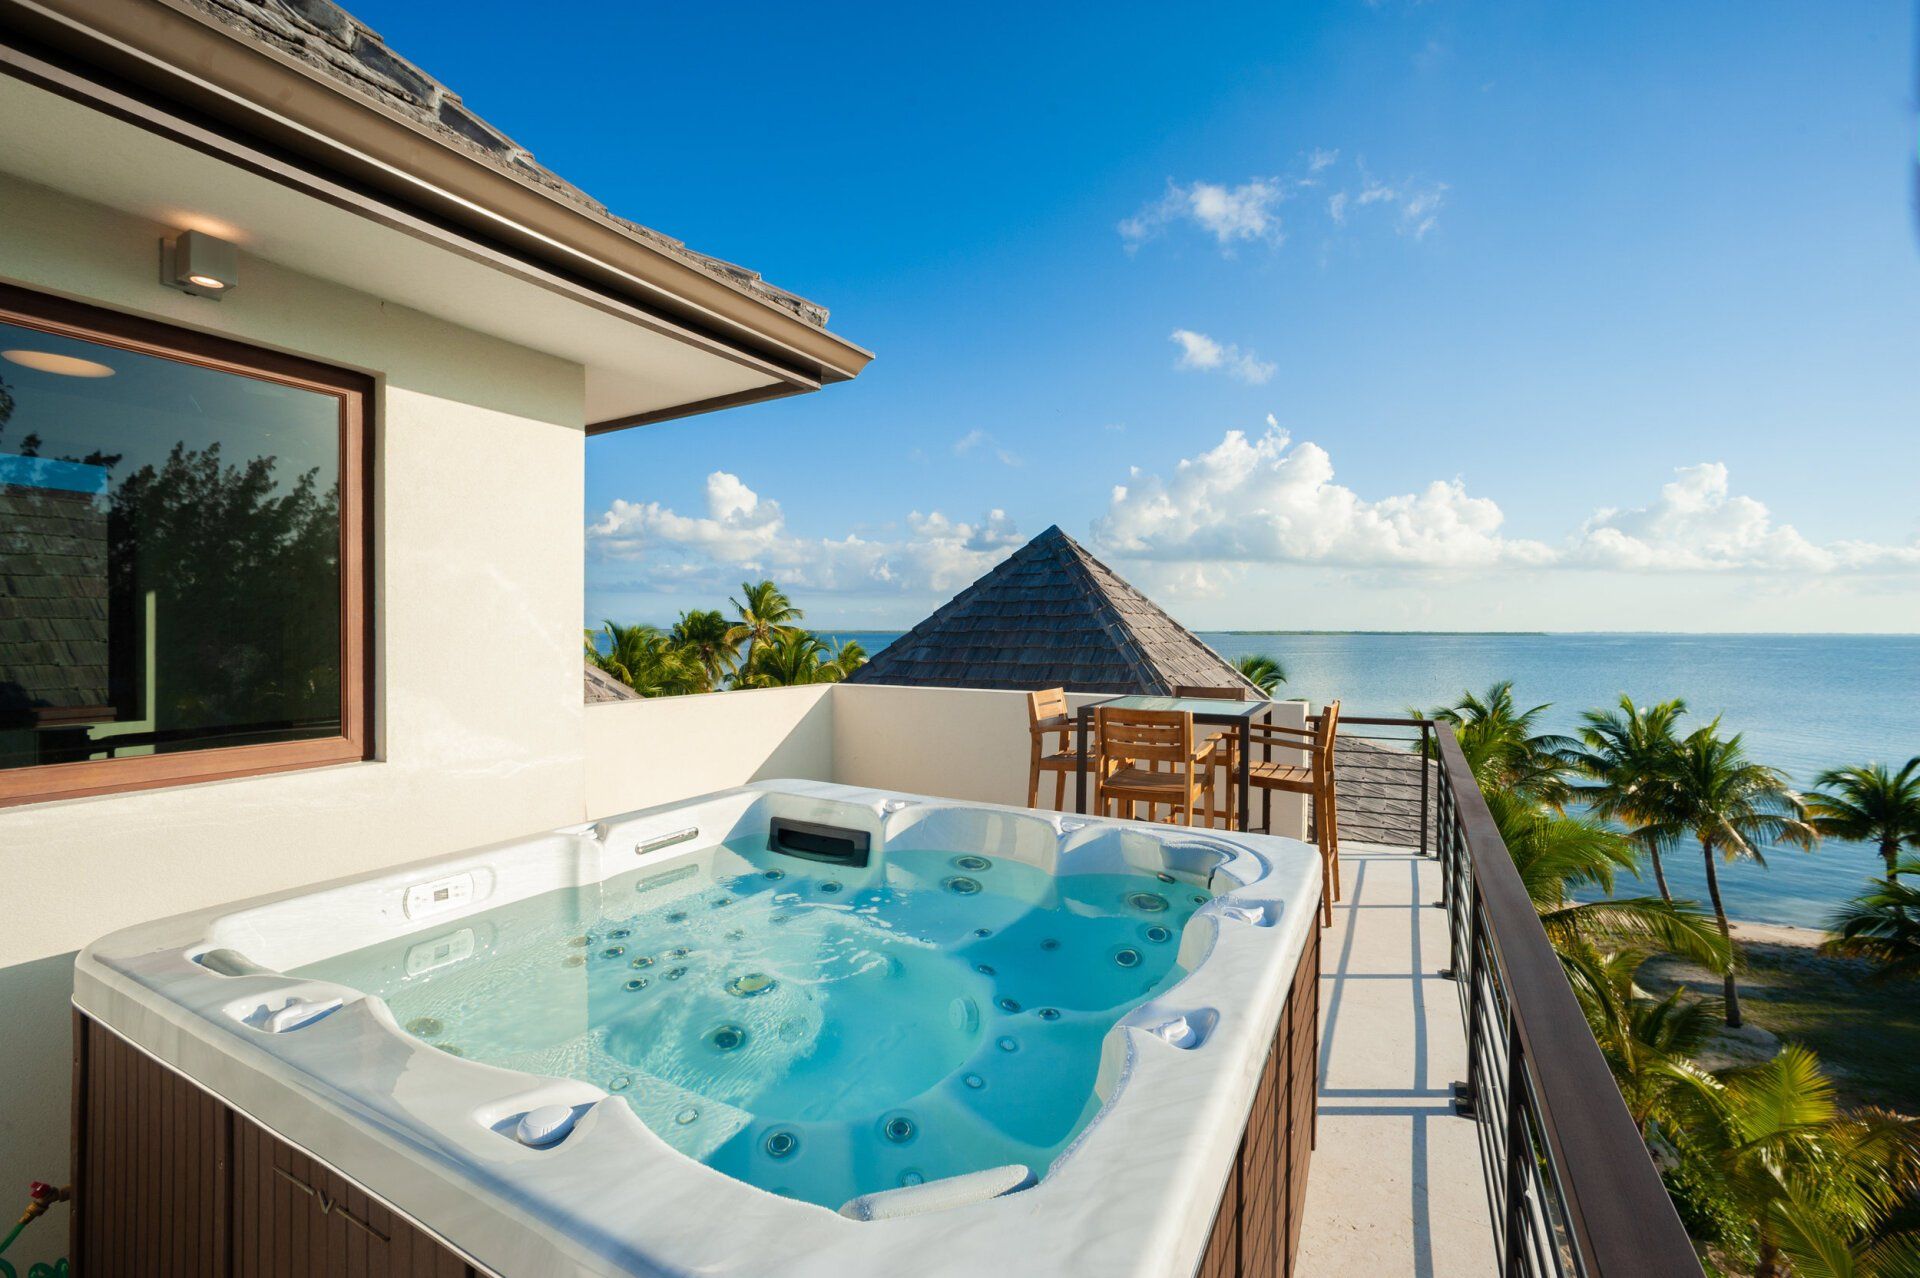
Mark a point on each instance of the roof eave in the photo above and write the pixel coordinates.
(169, 49)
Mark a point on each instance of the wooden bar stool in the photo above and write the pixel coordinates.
(1046, 716)
(1314, 779)
(1133, 745)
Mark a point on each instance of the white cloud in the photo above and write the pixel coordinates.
(1421, 209)
(745, 534)
(1231, 214)
(1416, 204)
(1696, 524)
(1200, 352)
(1250, 211)
(980, 439)
(1273, 501)
(1268, 500)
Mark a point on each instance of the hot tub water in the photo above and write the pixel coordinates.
(816, 1031)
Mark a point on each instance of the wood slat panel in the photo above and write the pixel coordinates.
(145, 1169)
(1256, 1227)
(170, 1183)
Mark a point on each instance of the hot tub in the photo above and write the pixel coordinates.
(793, 1028)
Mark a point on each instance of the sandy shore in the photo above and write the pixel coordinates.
(1777, 934)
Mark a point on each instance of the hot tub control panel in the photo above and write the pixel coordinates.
(424, 900)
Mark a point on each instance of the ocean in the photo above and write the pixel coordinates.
(1802, 702)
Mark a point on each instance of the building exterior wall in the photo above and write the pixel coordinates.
(479, 449)
(642, 753)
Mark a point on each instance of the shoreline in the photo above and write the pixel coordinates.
(1784, 934)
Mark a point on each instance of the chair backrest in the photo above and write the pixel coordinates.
(1213, 694)
(1326, 740)
(1144, 736)
(1048, 703)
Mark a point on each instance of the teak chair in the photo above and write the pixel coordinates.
(1228, 741)
(1047, 716)
(1314, 779)
(1133, 745)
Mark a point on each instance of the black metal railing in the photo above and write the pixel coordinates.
(1570, 1185)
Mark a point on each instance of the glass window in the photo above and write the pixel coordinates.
(182, 573)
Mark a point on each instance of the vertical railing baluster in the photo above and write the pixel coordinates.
(1518, 1151)
(1426, 774)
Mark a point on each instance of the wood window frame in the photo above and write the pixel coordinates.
(355, 393)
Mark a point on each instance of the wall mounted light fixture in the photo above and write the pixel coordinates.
(201, 264)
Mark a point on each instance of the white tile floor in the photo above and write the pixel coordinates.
(1395, 1186)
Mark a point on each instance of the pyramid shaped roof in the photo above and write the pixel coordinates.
(1051, 615)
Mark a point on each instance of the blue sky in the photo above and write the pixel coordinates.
(1527, 317)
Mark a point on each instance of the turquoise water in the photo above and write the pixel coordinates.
(818, 1032)
(1804, 703)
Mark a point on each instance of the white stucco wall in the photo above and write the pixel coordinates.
(640, 753)
(479, 568)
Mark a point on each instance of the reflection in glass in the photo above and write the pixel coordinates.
(169, 555)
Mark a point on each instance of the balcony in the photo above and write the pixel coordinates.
(1466, 1121)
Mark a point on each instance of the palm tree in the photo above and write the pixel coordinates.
(1731, 805)
(1819, 1187)
(1872, 805)
(1626, 754)
(764, 613)
(791, 657)
(1502, 747)
(1555, 853)
(847, 657)
(1262, 671)
(646, 660)
(1642, 1037)
(707, 635)
(1882, 926)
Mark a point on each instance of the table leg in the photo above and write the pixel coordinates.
(1246, 767)
(1080, 764)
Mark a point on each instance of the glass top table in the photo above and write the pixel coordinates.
(1209, 710)
(1204, 709)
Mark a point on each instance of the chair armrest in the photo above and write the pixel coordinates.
(1262, 730)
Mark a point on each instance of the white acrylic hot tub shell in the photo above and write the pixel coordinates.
(1134, 1195)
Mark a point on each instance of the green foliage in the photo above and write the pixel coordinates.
(1818, 1189)
(705, 651)
(707, 637)
(247, 571)
(1625, 757)
(1555, 852)
(848, 657)
(647, 660)
(790, 658)
(1714, 793)
(764, 614)
(1262, 671)
(1712, 1217)
(1501, 746)
(1872, 804)
(1882, 925)
(1642, 1037)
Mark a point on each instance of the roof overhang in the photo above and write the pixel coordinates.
(183, 123)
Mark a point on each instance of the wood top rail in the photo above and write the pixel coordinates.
(1376, 722)
(1620, 1221)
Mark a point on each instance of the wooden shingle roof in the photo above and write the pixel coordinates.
(1051, 615)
